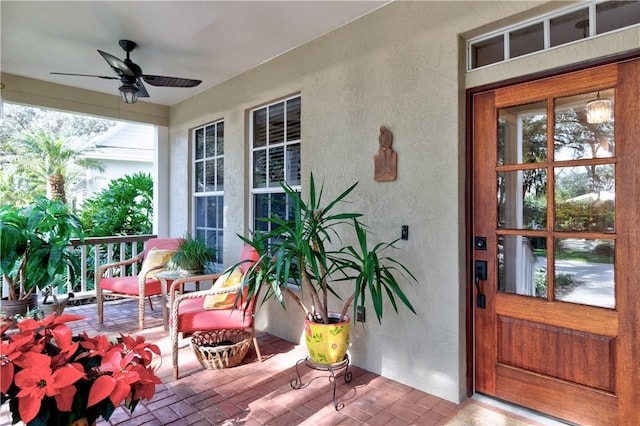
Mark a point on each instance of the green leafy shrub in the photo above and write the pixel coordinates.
(125, 207)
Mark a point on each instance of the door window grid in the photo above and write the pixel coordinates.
(566, 253)
(275, 157)
(586, 20)
(208, 191)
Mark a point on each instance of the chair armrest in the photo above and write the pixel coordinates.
(102, 269)
(143, 278)
(176, 284)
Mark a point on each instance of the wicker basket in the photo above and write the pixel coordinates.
(220, 349)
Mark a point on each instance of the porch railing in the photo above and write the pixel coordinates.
(96, 251)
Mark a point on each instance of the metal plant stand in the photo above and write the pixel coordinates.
(335, 371)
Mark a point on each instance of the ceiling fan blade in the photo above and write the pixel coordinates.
(142, 91)
(118, 65)
(160, 80)
(106, 77)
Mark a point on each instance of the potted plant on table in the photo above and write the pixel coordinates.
(50, 377)
(306, 250)
(35, 243)
(193, 255)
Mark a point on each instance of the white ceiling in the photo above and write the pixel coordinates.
(206, 40)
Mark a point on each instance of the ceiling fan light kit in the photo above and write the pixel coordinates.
(131, 76)
(129, 93)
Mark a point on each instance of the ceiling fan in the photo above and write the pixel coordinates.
(131, 76)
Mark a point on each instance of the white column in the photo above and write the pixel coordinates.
(161, 171)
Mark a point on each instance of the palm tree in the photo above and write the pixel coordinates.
(51, 161)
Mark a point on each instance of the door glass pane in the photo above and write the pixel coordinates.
(585, 198)
(522, 134)
(522, 199)
(584, 271)
(579, 134)
(522, 265)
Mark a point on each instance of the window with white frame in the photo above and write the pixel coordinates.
(578, 22)
(275, 158)
(208, 193)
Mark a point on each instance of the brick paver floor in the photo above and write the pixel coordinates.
(254, 393)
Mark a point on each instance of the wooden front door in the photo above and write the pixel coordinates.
(556, 244)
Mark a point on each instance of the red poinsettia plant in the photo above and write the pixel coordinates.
(50, 377)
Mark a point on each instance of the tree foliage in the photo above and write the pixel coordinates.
(53, 162)
(125, 207)
(36, 144)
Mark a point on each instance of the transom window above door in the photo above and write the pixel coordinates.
(586, 20)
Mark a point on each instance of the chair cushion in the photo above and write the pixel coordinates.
(156, 260)
(129, 285)
(224, 300)
(192, 317)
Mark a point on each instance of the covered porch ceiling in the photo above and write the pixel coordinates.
(207, 40)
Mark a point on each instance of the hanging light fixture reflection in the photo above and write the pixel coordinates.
(598, 110)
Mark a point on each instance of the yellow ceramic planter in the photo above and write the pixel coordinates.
(328, 343)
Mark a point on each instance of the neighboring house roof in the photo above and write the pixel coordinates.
(125, 142)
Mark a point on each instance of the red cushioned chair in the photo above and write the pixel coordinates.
(188, 314)
(136, 286)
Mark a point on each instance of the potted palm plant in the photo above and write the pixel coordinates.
(36, 251)
(193, 254)
(306, 250)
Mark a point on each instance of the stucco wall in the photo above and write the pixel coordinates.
(403, 67)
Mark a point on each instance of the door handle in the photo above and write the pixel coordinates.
(480, 275)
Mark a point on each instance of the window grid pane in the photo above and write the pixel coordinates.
(570, 27)
(208, 222)
(488, 51)
(526, 40)
(209, 186)
(275, 143)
